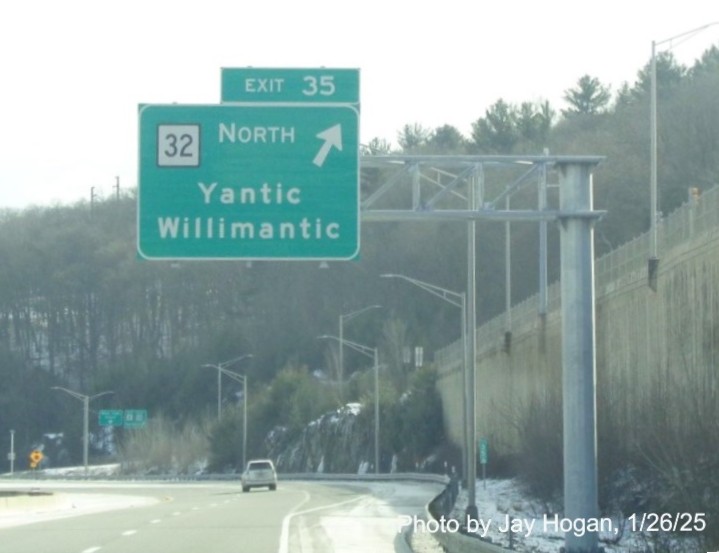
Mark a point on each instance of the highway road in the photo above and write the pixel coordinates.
(300, 517)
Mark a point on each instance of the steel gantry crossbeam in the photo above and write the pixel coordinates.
(436, 178)
(469, 189)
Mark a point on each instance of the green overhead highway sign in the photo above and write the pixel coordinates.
(321, 85)
(248, 181)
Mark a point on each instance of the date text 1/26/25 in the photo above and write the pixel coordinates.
(668, 522)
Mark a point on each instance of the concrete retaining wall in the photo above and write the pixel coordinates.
(649, 345)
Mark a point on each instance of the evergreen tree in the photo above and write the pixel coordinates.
(413, 137)
(590, 97)
(669, 74)
(447, 140)
(496, 132)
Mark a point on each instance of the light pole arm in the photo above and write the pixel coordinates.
(364, 350)
(82, 397)
(224, 364)
(100, 395)
(455, 298)
(76, 395)
(348, 316)
(234, 376)
(686, 33)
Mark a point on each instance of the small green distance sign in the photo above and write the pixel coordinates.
(110, 417)
(483, 451)
(135, 418)
(311, 85)
(250, 181)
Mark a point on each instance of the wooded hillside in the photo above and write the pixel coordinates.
(80, 309)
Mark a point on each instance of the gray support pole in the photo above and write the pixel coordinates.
(578, 355)
(244, 422)
(85, 430)
(507, 278)
(416, 195)
(12, 452)
(465, 394)
(653, 250)
(376, 411)
(219, 392)
(341, 362)
(542, 204)
(472, 337)
(653, 262)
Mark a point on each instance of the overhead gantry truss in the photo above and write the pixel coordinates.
(458, 187)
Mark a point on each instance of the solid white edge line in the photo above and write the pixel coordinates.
(284, 536)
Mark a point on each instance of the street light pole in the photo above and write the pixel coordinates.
(85, 431)
(219, 393)
(343, 319)
(376, 411)
(245, 399)
(243, 379)
(653, 262)
(85, 419)
(374, 354)
(458, 300)
(220, 369)
(12, 452)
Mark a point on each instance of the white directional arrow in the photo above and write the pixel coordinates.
(332, 137)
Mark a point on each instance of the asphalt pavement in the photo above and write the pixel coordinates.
(300, 517)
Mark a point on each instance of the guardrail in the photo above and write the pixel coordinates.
(456, 542)
(369, 477)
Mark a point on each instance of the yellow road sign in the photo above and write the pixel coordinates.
(35, 458)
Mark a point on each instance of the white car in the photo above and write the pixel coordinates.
(258, 474)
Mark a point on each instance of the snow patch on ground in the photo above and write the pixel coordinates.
(38, 505)
(63, 505)
(502, 506)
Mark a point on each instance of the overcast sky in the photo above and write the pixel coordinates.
(74, 71)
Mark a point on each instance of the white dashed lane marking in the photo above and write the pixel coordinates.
(153, 521)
